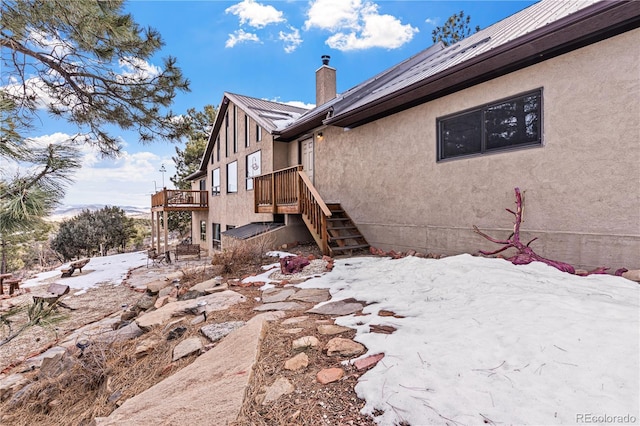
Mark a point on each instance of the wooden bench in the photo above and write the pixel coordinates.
(78, 264)
(187, 250)
(10, 281)
(52, 297)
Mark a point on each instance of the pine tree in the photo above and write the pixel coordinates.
(84, 61)
(455, 29)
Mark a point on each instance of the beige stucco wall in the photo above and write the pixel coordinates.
(582, 186)
(238, 208)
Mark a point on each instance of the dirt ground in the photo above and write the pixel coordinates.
(310, 404)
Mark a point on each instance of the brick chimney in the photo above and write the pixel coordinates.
(325, 82)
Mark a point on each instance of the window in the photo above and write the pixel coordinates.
(246, 131)
(215, 232)
(258, 133)
(232, 177)
(226, 134)
(253, 168)
(215, 182)
(203, 230)
(218, 148)
(203, 185)
(501, 125)
(230, 227)
(235, 128)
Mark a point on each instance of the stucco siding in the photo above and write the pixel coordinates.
(582, 186)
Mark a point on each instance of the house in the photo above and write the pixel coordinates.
(547, 100)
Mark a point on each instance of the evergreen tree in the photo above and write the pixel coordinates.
(455, 29)
(84, 61)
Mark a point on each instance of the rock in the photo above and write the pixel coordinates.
(187, 347)
(294, 330)
(190, 294)
(337, 308)
(176, 332)
(633, 275)
(154, 287)
(146, 302)
(313, 295)
(215, 332)
(174, 276)
(297, 362)
(295, 320)
(329, 375)
(146, 346)
(331, 329)
(161, 301)
(197, 320)
(11, 384)
(279, 306)
(280, 387)
(214, 302)
(370, 361)
(277, 294)
(305, 342)
(344, 347)
(36, 361)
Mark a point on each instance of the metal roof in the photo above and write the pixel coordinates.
(251, 229)
(427, 64)
(268, 114)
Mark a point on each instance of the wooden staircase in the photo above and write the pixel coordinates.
(343, 235)
(290, 191)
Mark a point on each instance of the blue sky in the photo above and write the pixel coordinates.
(264, 49)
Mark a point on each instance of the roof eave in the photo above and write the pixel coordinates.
(590, 25)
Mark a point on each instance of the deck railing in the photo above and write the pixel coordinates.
(290, 191)
(177, 198)
(278, 192)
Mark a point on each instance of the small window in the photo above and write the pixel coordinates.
(502, 125)
(215, 182)
(230, 227)
(254, 168)
(226, 134)
(218, 148)
(203, 185)
(215, 231)
(203, 230)
(235, 128)
(232, 177)
(258, 133)
(246, 131)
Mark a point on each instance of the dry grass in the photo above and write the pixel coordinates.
(241, 256)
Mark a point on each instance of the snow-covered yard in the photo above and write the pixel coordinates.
(483, 341)
(480, 341)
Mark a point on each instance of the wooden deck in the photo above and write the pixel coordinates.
(180, 200)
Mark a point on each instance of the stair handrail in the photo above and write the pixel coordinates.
(314, 192)
(313, 207)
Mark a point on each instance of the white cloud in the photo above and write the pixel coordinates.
(333, 14)
(135, 69)
(378, 31)
(240, 36)
(255, 14)
(358, 25)
(291, 39)
(49, 44)
(129, 179)
(432, 21)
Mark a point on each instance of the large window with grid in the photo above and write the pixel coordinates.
(502, 125)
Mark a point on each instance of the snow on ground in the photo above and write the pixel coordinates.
(483, 341)
(108, 269)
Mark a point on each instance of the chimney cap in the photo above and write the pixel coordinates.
(325, 59)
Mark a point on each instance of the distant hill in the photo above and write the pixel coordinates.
(67, 212)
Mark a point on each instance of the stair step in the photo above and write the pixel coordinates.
(335, 219)
(335, 228)
(345, 237)
(359, 246)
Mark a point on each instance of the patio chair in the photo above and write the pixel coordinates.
(155, 258)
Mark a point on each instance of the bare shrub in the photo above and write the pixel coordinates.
(239, 255)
